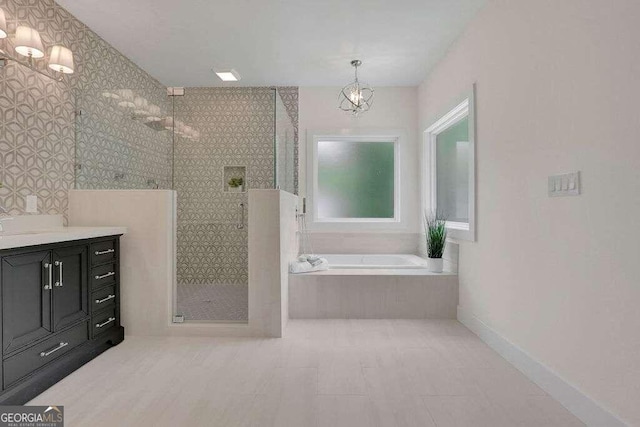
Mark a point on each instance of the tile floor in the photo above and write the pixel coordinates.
(331, 373)
(219, 302)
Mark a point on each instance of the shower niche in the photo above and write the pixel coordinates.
(235, 179)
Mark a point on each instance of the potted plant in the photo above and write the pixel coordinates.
(236, 185)
(435, 228)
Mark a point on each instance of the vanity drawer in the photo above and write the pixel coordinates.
(103, 275)
(103, 252)
(103, 321)
(27, 361)
(103, 298)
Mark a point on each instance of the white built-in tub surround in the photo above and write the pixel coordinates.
(30, 230)
(373, 286)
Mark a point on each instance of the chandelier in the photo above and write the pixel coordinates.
(356, 98)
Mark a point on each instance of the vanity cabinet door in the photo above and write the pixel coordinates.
(70, 286)
(26, 298)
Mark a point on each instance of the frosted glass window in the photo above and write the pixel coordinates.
(449, 155)
(356, 179)
(452, 170)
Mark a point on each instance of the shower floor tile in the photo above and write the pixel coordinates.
(214, 302)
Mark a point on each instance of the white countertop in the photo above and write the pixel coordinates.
(19, 239)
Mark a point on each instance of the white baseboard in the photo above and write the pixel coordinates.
(582, 406)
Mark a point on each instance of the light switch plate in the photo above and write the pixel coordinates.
(32, 204)
(564, 185)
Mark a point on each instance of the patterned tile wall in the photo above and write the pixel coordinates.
(116, 151)
(237, 128)
(38, 127)
(45, 148)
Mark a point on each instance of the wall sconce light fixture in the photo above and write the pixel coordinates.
(28, 43)
(61, 60)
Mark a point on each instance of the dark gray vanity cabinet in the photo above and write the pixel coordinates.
(60, 308)
(26, 299)
(70, 286)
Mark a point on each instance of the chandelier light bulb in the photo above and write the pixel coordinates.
(356, 97)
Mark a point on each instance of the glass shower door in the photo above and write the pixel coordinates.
(284, 146)
(230, 152)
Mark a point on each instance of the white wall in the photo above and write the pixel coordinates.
(289, 248)
(147, 251)
(393, 108)
(557, 91)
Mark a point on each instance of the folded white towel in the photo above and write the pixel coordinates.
(306, 266)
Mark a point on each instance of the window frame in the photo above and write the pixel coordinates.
(462, 109)
(353, 224)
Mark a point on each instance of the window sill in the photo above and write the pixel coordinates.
(356, 226)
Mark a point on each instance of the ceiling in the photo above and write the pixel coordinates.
(279, 42)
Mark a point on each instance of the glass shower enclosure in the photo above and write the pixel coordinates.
(226, 141)
(211, 145)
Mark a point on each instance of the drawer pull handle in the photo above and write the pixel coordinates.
(104, 276)
(100, 301)
(106, 322)
(53, 350)
(108, 251)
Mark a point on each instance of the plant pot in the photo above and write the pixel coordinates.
(435, 265)
(239, 189)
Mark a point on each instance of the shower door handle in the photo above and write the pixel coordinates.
(240, 225)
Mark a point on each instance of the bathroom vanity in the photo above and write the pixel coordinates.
(60, 305)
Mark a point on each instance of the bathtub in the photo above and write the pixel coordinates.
(374, 261)
(359, 286)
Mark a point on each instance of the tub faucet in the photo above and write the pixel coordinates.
(304, 209)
